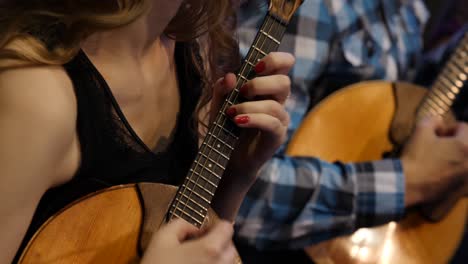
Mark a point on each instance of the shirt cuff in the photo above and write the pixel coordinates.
(380, 192)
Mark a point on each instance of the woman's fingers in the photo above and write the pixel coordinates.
(275, 63)
(264, 122)
(276, 87)
(268, 107)
(221, 88)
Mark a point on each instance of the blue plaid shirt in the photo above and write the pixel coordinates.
(300, 201)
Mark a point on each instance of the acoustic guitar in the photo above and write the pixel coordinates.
(92, 230)
(364, 121)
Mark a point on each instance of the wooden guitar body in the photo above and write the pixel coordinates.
(111, 226)
(361, 123)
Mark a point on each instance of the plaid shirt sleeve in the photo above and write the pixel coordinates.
(300, 201)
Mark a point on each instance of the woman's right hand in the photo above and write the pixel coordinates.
(180, 242)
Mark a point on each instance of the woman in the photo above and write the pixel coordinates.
(95, 94)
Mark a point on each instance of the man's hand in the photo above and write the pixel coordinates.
(435, 161)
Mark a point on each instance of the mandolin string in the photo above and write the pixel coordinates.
(196, 166)
(271, 47)
(268, 27)
(220, 120)
(453, 61)
(430, 106)
(261, 47)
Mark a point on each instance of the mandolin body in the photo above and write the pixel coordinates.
(361, 123)
(110, 226)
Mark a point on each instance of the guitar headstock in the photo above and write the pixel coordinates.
(284, 9)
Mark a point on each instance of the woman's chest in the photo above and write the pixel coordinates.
(150, 107)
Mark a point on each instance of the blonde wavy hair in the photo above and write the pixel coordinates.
(49, 32)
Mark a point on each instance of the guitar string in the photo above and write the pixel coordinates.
(221, 118)
(431, 104)
(218, 122)
(268, 28)
(195, 167)
(254, 53)
(278, 29)
(451, 84)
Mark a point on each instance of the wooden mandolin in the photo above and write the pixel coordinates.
(361, 123)
(92, 230)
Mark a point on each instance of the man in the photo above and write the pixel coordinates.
(301, 201)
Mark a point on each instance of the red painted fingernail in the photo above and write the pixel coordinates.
(231, 112)
(260, 67)
(244, 90)
(242, 120)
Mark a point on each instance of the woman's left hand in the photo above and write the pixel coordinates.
(263, 115)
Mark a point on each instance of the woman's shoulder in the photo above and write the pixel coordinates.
(38, 113)
(46, 89)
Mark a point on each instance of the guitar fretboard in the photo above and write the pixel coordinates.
(448, 85)
(196, 193)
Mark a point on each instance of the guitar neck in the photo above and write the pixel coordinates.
(196, 193)
(448, 85)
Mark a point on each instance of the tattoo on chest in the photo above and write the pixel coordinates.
(164, 142)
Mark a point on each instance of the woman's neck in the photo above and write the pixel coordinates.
(137, 39)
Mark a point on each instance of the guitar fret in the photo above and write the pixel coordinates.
(196, 184)
(199, 174)
(447, 94)
(195, 202)
(430, 106)
(460, 64)
(453, 79)
(249, 63)
(189, 207)
(452, 66)
(439, 111)
(197, 194)
(227, 131)
(205, 179)
(448, 85)
(243, 77)
(460, 75)
(174, 215)
(216, 163)
(427, 109)
(215, 150)
(424, 111)
(209, 170)
(443, 97)
(185, 213)
(224, 143)
(439, 102)
(432, 109)
(259, 50)
(270, 37)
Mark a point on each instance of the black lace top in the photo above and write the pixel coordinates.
(112, 153)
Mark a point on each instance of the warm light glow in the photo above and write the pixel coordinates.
(364, 254)
(388, 247)
(360, 236)
(354, 251)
